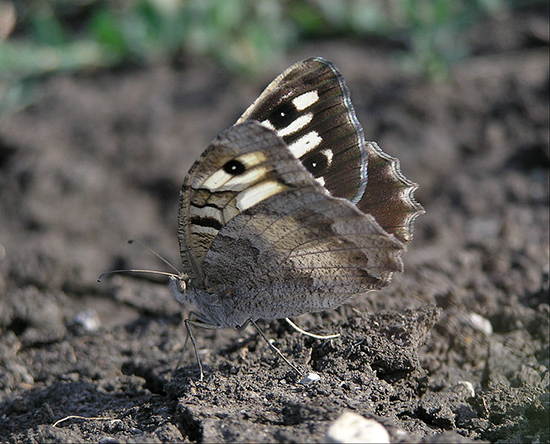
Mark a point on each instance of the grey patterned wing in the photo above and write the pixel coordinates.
(296, 252)
(243, 166)
(262, 234)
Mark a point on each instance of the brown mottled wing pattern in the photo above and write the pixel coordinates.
(389, 195)
(359, 171)
(298, 252)
(339, 157)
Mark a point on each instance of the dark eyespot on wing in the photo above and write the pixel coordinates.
(283, 115)
(316, 163)
(234, 167)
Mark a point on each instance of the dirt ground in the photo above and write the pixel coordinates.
(456, 349)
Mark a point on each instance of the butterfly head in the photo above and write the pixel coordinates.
(178, 285)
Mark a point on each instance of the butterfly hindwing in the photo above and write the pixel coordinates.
(306, 257)
(389, 195)
(294, 249)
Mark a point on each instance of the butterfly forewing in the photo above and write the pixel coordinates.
(309, 107)
(237, 171)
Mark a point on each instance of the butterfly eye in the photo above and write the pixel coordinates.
(234, 167)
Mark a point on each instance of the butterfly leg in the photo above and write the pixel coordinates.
(307, 333)
(193, 316)
(275, 349)
(200, 324)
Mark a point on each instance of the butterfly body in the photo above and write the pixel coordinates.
(281, 216)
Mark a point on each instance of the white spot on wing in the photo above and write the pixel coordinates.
(243, 181)
(295, 126)
(329, 155)
(266, 123)
(257, 193)
(222, 181)
(321, 180)
(252, 159)
(305, 100)
(216, 180)
(305, 144)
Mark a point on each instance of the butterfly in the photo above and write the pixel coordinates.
(290, 210)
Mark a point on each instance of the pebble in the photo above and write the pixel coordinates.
(480, 323)
(353, 428)
(89, 320)
(464, 388)
(309, 378)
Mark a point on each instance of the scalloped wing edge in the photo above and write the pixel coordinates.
(389, 195)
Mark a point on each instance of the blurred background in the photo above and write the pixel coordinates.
(45, 37)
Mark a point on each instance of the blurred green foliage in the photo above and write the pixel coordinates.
(39, 37)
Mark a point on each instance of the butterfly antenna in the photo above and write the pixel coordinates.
(131, 241)
(178, 274)
(131, 270)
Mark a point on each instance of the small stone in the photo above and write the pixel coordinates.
(464, 388)
(353, 428)
(309, 378)
(479, 323)
(88, 320)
